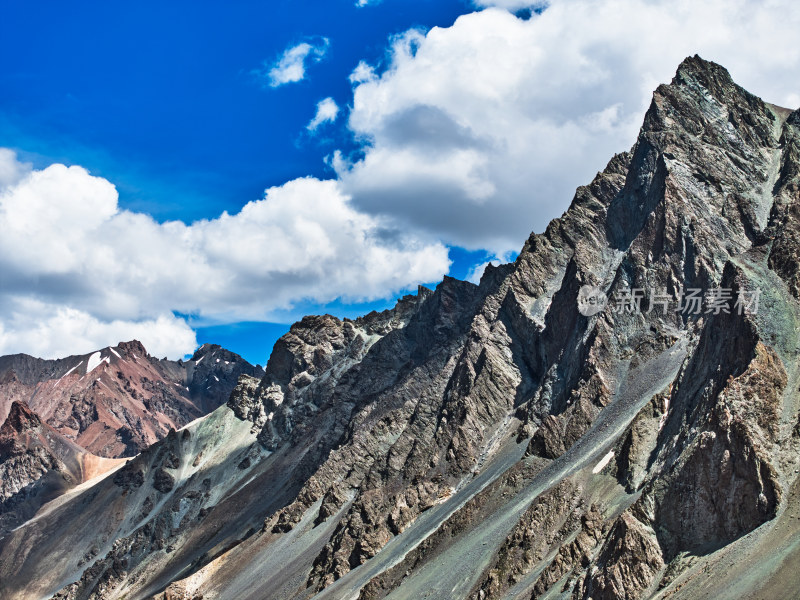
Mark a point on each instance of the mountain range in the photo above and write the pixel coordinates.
(574, 426)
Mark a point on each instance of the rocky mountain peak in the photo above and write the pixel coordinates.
(711, 76)
(204, 350)
(134, 347)
(21, 424)
(20, 419)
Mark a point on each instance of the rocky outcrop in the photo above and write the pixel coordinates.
(574, 556)
(784, 256)
(723, 476)
(548, 526)
(24, 459)
(449, 534)
(628, 565)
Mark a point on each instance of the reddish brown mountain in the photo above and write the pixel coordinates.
(119, 400)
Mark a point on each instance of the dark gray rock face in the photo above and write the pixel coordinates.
(24, 463)
(493, 441)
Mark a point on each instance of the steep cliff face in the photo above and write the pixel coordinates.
(120, 400)
(496, 441)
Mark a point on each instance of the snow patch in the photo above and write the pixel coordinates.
(215, 377)
(663, 419)
(70, 371)
(603, 462)
(115, 353)
(93, 362)
(199, 360)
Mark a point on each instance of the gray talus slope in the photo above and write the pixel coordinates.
(491, 441)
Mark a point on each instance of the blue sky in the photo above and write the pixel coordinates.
(169, 102)
(156, 182)
(163, 99)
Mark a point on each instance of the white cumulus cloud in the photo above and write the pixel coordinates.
(327, 111)
(363, 72)
(74, 265)
(480, 132)
(11, 170)
(56, 331)
(290, 67)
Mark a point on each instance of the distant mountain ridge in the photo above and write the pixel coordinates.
(119, 400)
